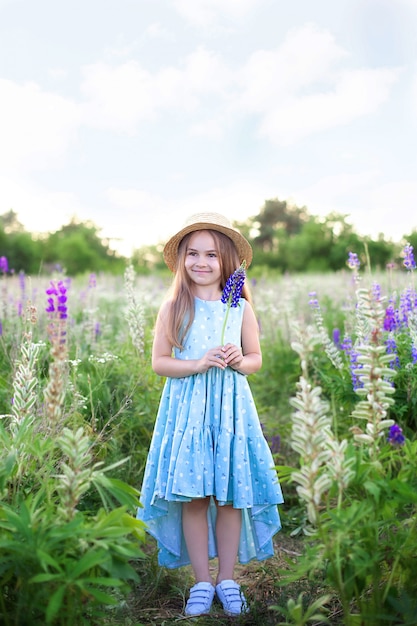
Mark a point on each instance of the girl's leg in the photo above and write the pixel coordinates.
(195, 527)
(228, 524)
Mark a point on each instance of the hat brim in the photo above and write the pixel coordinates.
(243, 247)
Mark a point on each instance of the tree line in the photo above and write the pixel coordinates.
(285, 238)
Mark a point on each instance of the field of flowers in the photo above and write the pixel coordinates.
(336, 397)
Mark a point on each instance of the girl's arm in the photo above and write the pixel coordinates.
(165, 365)
(247, 359)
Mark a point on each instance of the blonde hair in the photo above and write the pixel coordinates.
(180, 310)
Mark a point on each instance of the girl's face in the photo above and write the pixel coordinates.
(202, 262)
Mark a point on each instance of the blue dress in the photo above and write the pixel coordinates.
(208, 441)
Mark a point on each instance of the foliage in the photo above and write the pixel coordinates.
(285, 238)
(65, 551)
(70, 467)
(359, 483)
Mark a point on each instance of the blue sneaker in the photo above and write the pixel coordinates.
(231, 597)
(201, 597)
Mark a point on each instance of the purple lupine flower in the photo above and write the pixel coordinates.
(57, 301)
(407, 305)
(232, 292)
(313, 302)
(347, 346)
(395, 436)
(336, 337)
(354, 366)
(409, 262)
(376, 291)
(353, 261)
(413, 353)
(92, 281)
(391, 345)
(233, 287)
(275, 444)
(390, 322)
(4, 264)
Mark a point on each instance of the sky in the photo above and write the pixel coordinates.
(135, 114)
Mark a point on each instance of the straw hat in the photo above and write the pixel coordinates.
(207, 221)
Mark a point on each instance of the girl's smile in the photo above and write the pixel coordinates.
(202, 260)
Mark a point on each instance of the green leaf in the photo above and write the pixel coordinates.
(87, 562)
(54, 604)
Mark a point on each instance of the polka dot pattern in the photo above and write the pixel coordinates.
(208, 441)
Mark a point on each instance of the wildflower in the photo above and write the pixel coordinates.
(135, 312)
(4, 264)
(329, 346)
(391, 345)
(22, 284)
(275, 444)
(353, 262)
(54, 392)
(92, 281)
(232, 292)
(313, 302)
(376, 291)
(355, 368)
(390, 321)
(57, 301)
(395, 436)
(409, 262)
(407, 306)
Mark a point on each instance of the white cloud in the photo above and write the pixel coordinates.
(145, 217)
(395, 203)
(206, 12)
(380, 204)
(157, 31)
(355, 93)
(120, 97)
(36, 126)
(299, 88)
(38, 209)
(307, 56)
(57, 73)
(329, 192)
(210, 128)
(117, 97)
(138, 200)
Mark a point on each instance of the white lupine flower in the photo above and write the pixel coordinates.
(135, 312)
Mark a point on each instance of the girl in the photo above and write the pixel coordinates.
(210, 488)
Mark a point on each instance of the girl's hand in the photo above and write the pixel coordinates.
(232, 355)
(213, 358)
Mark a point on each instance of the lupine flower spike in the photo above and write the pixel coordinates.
(354, 264)
(232, 292)
(409, 262)
(395, 436)
(57, 311)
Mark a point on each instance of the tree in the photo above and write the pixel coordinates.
(78, 247)
(10, 224)
(277, 217)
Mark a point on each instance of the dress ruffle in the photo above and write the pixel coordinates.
(208, 441)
